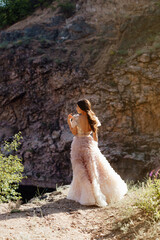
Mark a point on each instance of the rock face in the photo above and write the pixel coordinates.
(46, 67)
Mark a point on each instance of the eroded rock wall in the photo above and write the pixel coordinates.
(47, 67)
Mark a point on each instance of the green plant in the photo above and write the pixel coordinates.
(112, 52)
(158, 3)
(140, 52)
(15, 211)
(53, 8)
(13, 11)
(42, 3)
(44, 40)
(149, 199)
(40, 51)
(58, 60)
(156, 45)
(121, 61)
(4, 45)
(122, 52)
(11, 169)
(67, 7)
(19, 42)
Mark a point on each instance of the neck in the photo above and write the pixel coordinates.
(84, 113)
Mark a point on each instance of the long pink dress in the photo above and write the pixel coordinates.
(94, 180)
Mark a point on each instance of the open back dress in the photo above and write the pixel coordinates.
(94, 180)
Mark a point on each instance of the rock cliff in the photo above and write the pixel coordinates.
(108, 52)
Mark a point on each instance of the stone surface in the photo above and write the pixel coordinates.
(145, 58)
(46, 68)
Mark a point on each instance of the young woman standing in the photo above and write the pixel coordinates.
(94, 180)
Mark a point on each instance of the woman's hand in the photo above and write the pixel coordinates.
(73, 129)
(69, 119)
(70, 116)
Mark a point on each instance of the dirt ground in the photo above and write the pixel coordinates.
(52, 216)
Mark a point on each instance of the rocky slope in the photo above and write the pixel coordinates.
(108, 52)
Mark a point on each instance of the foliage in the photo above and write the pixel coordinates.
(133, 221)
(12, 11)
(42, 3)
(4, 45)
(11, 170)
(67, 7)
(122, 52)
(158, 3)
(149, 199)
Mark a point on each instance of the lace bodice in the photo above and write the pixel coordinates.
(80, 132)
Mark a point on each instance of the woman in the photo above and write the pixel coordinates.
(94, 180)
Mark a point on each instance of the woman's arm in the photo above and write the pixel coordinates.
(73, 129)
(95, 136)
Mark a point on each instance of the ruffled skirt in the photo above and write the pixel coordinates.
(94, 180)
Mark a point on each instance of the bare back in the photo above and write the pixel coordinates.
(84, 124)
(80, 126)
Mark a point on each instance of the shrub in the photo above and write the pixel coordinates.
(67, 7)
(149, 199)
(12, 11)
(11, 169)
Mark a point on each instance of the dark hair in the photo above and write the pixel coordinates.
(85, 105)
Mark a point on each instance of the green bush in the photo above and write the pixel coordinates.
(42, 3)
(12, 11)
(11, 169)
(149, 199)
(67, 7)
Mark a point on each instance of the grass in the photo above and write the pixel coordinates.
(139, 216)
(152, 49)
(112, 52)
(149, 199)
(58, 60)
(19, 42)
(156, 45)
(4, 45)
(43, 39)
(40, 51)
(15, 210)
(14, 206)
(140, 52)
(120, 55)
(122, 52)
(121, 61)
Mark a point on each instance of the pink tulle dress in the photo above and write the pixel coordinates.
(94, 180)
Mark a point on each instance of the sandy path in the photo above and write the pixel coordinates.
(54, 217)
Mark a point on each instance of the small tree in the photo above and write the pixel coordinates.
(12, 11)
(11, 169)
